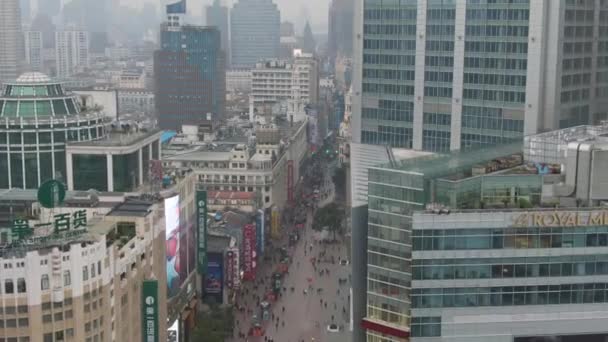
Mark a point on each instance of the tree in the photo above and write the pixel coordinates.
(214, 325)
(329, 217)
(339, 179)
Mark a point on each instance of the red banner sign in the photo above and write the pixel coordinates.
(232, 268)
(249, 264)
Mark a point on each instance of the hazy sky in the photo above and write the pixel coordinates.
(296, 11)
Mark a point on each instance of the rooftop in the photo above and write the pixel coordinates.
(444, 165)
(33, 78)
(132, 207)
(118, 138)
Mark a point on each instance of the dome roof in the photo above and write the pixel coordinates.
(33, 77)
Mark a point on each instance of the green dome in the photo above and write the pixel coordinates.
(36, 95)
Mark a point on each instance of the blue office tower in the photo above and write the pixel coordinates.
(190, 75)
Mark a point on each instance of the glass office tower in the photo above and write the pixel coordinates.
(439, 75)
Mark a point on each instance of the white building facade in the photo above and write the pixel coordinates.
(72, 51)
(33, 50)
(295, 84)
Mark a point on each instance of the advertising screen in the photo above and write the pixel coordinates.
(214, 277)
(172, 243)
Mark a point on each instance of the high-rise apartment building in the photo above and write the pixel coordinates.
(293, 83)
(441, 75)
(217, 15)
(255, 32)
(190, 75)
(72, 52)
(341, 14)
(11, 40)
(33, 50)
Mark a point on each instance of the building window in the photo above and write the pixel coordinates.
(67, 278)
(92, 270)
(9, 287)
(85, 273)
(44, 282)
(24, 322)
(21, 288)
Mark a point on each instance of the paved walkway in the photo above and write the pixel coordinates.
(304, 317)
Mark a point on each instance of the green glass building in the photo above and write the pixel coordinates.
(37, 119)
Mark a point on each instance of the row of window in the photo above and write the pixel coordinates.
(435, 30)
(577, 79)
(23, 108)
(438, 76)
(575, 95)
(498, 14)
(496, 47)
(55, 137)
(401, 75)
(510, 295)
(384, 114)
(390, 29)
(494, 95)
(496, 63)
(497, 124)
(518, 238)
(578, 31)
(495, 79)
(426, 326)
(438, 91)
(390, 14)
(488, 268)
(577, 63)
(393, 89)
(390, 44)
(400, 60)
(440, 45)
(500, 30)
(437, 119)
(435, 141)
(402, 137)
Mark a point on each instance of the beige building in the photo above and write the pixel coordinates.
(85, 285)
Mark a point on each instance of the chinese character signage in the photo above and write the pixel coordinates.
(249, 252)
(20, 230)
(201, 212)
(149, 314)
(232, 268)
(66, 221)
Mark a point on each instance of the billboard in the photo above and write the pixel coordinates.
(172, 243)
(214, 276)
(173, 332)
(149, 311)
(201, 215)
(249, 252)
(275, 224)
(232, 272)
(260, 227)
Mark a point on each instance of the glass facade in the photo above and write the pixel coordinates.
(90, 172)
(495, 69)
(36, 121)
(126, 171)
(389, 61)
(510, 295)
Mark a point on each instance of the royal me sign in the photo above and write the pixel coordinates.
(561, 218)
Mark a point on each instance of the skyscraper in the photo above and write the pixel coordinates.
(33, 50)
(461, 73)
(340, 22)
(72, 52)
(189, 71)
(217, 15)
(451, 75)
(308, 40)
(24, 6)
(11, 40)
(255, 32)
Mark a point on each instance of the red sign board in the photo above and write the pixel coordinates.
(290, 181)
(249, 252)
